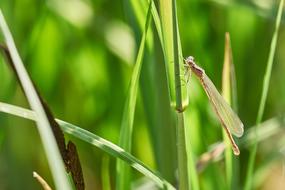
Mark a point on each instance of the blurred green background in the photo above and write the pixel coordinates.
(80, 55)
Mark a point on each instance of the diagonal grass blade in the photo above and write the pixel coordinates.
(94, 140)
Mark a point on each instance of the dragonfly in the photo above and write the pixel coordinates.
(228, 118)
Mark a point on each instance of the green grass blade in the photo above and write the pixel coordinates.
(105, 172)
(49, 143)
(266, 80)
(157, 23)
(94, 140)
(181, 141)
(226, 92)
(136, 6)
(137, 9)
(172, 55)
(167, 36)
(156, 100)
(125, 141)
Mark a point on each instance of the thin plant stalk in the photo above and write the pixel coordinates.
(226, 92)
(181, 141)
(266, 80)
(125, 141)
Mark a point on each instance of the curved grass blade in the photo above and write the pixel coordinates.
(41, 181)
(157, 23)
(44, 127)
(94, 140)
(125, 141)
(228, 118)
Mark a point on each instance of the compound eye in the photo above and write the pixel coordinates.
(190, 59)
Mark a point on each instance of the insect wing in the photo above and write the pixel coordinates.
(225, 113)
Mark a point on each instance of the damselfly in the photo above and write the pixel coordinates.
(228, 118)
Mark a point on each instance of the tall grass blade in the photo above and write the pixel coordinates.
(167, 36)
(94, 140)
(226, 92)
(105, 172)
(172, 55)
(44, 127)
(157, 100)
(123, 170)
(266, 80)
(230, 86)
(157, 23)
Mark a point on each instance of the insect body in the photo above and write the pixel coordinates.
(228, 118)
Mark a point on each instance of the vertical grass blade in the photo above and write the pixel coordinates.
(181, 141)
(106, 183)
(123, 170)
(53, 156)
(167, 37)
(172, 51)
(226, 92)
(266, 80)
(154, 89)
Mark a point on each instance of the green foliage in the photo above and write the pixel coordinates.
(265, 87)
(94, 140)
(103, 66)
(125, 141)
(44, 126)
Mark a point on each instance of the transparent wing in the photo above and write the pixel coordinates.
(225, 113)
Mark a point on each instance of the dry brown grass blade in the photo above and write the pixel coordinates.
(215, 152)
(43, 183)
